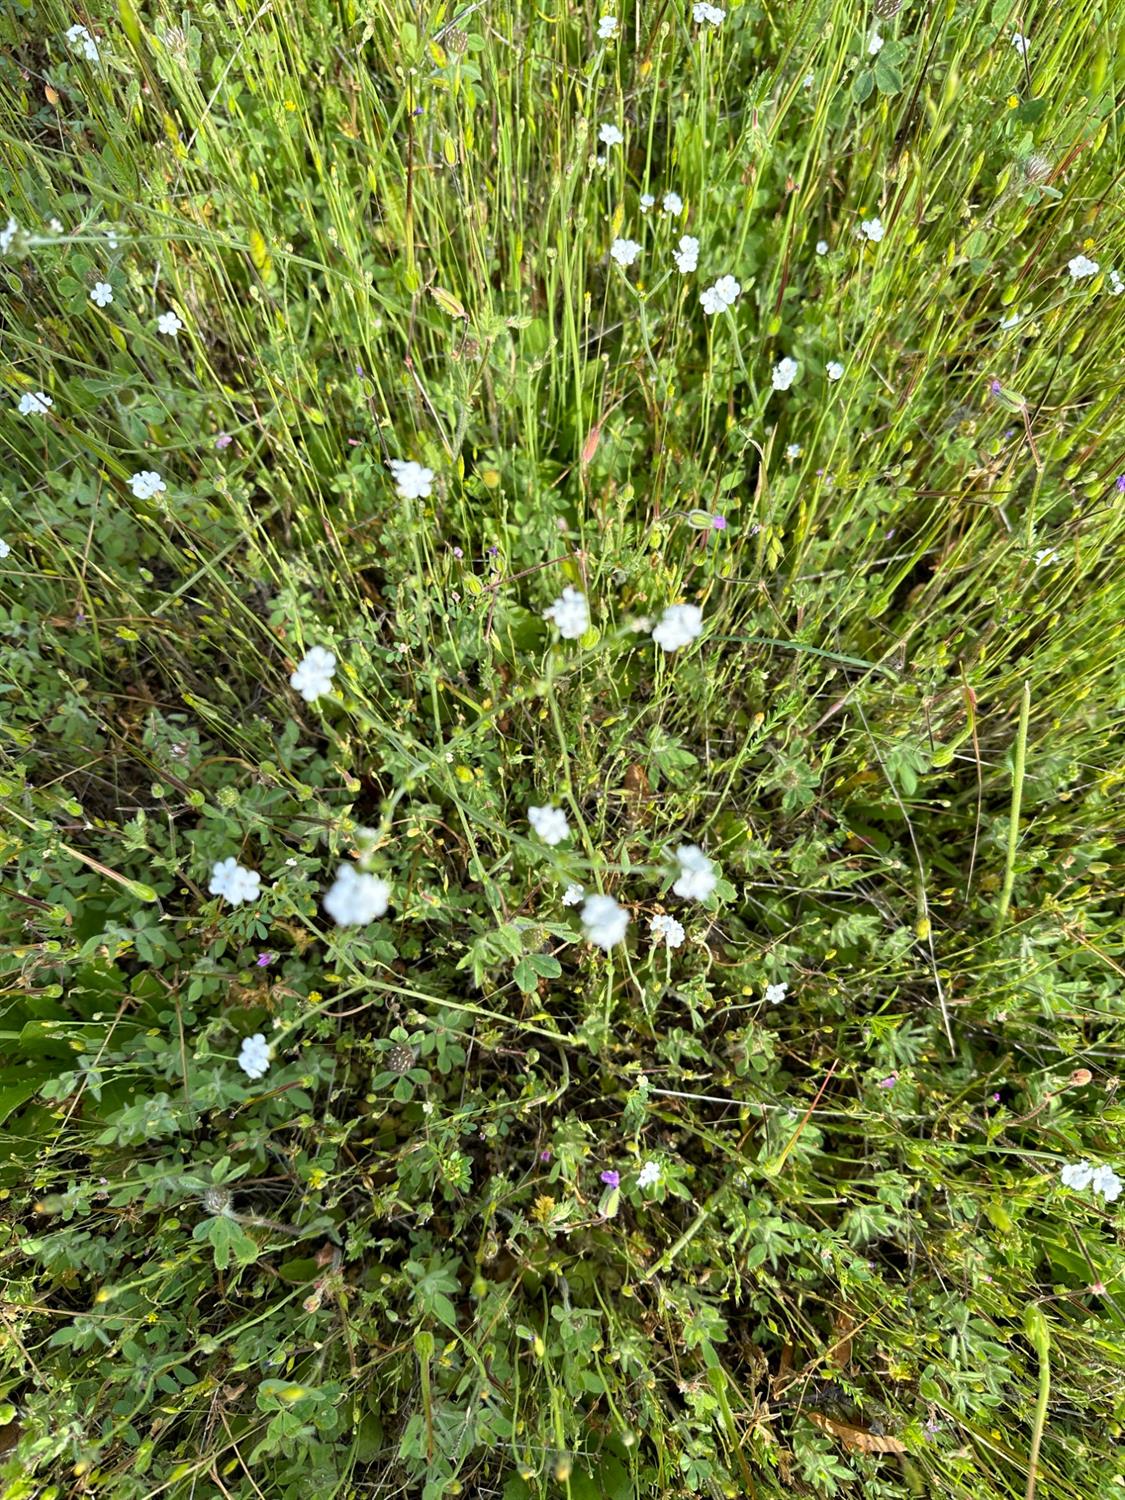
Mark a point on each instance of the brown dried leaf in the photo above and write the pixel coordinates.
(857, 1438)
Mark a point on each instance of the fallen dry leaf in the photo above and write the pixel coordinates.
(857, 1438)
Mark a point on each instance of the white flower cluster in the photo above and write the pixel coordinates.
(604, 921)
(687, 255)
(716, 299)
(1082, 266)
(625, 252)
(679, 625)
(81, 40)
(570, 613)
(703, 13)
(412, 480)
(34, 404)
(667, 930)
(784, 373)
(1082, 1174)
(313, 677)
(234, 882)
(549, 823)
(354, 898)
(146, 483)
(697, 876)
(607, 28)
(254, 1055)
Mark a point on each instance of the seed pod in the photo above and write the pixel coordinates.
(400, 1059)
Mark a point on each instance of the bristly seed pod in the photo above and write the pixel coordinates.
(400, 1059)
(885, 9)
(1036, 168)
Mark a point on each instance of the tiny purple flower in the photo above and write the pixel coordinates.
(223, 440)
(995, 387)
(1121, 484)
(718, 523)
(888, 1082)
(458, 554)
(493, 551)
(611, 1179)
(544, 1156)
(265, 959)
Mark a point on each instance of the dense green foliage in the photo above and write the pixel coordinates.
(837, 1256)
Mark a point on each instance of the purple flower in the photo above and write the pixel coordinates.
(458, 554)
(544, 1156)
(611, 1179)
(265, 959)
(718, 523)
(888, 1082)
(223, 440)
(995, 387)
(1121, 484)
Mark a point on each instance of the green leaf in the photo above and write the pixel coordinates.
(888, 77)
(862, 84)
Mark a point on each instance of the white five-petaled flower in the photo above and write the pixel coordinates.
(354, 898)
(834, 369)
(234, 882)
(570, 613)
(723, 294)
(793, 450)
(607, 28)
(1082, 266)
(1116, 283)
(609, 135)
(775, 993)
(1082, 1174)
(784, 373)
(673, 204)
(4, 548)
(678, 626)
(874, 43)
(625, 252)
(146, 483)
(697, 876)
(711, 14)
(573, 894)
(254, 1055)
(102, 294)
(1021, 43)
(646, 202)
(313, 676)
(649, 1175)
(1045, 557)
(168, 323)
(81, 40)
(604, 922)
(549, 823)
(666, 930)
(872, 229)
(1010, 321)
(35, 403)
(687, 256)
(822, 247)
(412, 480)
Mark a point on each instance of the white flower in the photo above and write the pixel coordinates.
(412, 480)
(822, 247)
(1021, 43)
(607, 28)
(872, 229)
(1116, 284)
(354, 899)
(604, 921)
(701, 11)
(678, 626)
(687, 256)
(573, 894)
(102, 294)
(874, 43)
(775, 993)
(80, 38)
(168, 323)
(1106, 1182)
(55, 226)
(1103, 1180)
(697, 876)
(624, 252)
(313, 677)
(571, 614)
(1081, 266)
(234, 882)
(666, 930)
(1077, 1174)
(808, 80)
(549, 823)
(1045, 556)
(146, 483)
(4, 548)
(834, 369)
(673, 204)
(609, 135)
(7, 235)
(793, 450)
(254, 1055)
(785, 373)
(723, 294)
(647, 200)
(1010, 321)
(649, 1175)
(35, 403)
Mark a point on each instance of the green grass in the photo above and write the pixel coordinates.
(390, 1266)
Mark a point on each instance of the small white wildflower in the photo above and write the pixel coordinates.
(573, 894)
(5, 550)
(775, 993)
(254, 1055)
(355, 899)
(111, 238)
(697, 876)
(102, 294)
(687, 256)
(872, 229)
(1045, 557)
(723, 294)
(412, 480)
(1106, 1182)
(609, 135)
(822, 247)
(146, 483)
(808, 80)
(874, 43)
(234, 882)
(1077, 1175)
(834, 369)
(793, 450)
(168, 323)
(1116, 284)
(1010, 321)
(549, 823)
(1021, 43)
(7, 236)
(625, 252)
(1081, 266)
(570, 613)
(784, 373)
(604, 921)
(55, 226)
(673, 204)
(678, 626)
(666, 930)
(711, 14)
(35, 403)
(81, 40)
(649, 1175)
(607, 28)
(647, 200)
(313, 676)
